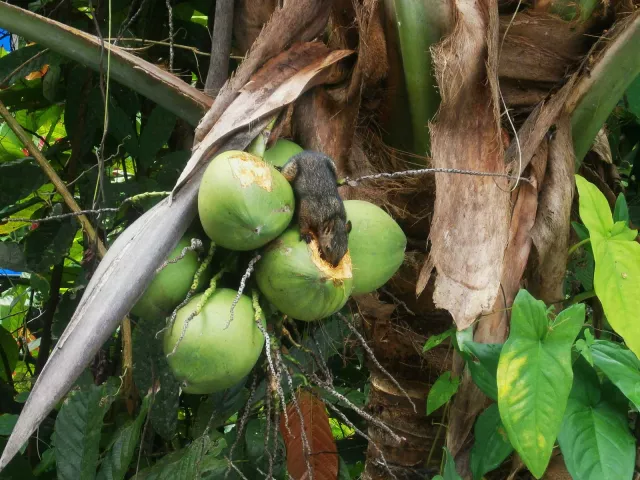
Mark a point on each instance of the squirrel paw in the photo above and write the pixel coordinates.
(307, 237)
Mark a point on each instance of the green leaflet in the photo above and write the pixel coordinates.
(491, 445)
(595, 438)
(534, 377)
(116, 462)
(620, 365)
(77, 431)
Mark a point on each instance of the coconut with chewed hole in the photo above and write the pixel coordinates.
(212, 356)
(171, 284)
(243, 202)
(295, 278)
(281, 152)
(376, 244)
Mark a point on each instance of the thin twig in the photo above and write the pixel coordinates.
(425, 171)
(375, 361)
(303, 434)
(196, 245)
(243, 421)
(243, 285)
(170, 10)
(348, 422)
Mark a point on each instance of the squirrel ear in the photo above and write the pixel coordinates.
(348, 226)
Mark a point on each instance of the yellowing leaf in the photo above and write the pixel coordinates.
(617, 259)
(535, 376)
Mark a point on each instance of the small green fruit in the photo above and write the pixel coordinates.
(243, 202)
(281, 152)
(171, 285)
(211, 358)
(294, 278)
(376, 243)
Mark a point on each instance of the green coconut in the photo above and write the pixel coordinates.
(211, 358)
(293, 277)
(376, 243)
(243, 202)
(281, 152)
(171, 285)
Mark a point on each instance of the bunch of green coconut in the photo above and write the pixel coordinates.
(246, 205)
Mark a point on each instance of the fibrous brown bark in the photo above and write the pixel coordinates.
(470, 227)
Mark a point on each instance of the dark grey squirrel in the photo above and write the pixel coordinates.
(319, 208)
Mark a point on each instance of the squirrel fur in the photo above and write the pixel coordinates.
(319, 208)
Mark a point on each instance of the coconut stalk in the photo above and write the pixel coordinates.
(597, 93)
(420, 25)
(141, 76)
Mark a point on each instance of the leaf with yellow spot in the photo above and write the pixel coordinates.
(617, 259)
(535, 377)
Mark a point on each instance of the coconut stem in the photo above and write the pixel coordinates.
(194, 286)
(373, 358)
(201, 303)
(275, 371)
(348, 422)
(243, 421)
(196, 245)
(243, 285)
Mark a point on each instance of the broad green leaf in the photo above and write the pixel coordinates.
(633, 97)
(18, 179)
(7, 422)
(116, 462)
(594, 209)
(218, 407)
(484, 367)
(617, 258)
(48, 244)
(621, 210)
(20, 63)
(450, 472)
(491, 446)
(155, 134)
(343, 472)
(436, 340)
(77, 431)
(48, 462)
(595, 438)
(534, 377)
(185, 464)
(617, 283)
(10, 350)
(621, 366)
(149, 366)
(441, 391)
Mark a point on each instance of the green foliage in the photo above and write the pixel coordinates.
(491, 445)
(436, 340)
(441, 391)
(10, 353)
(484, 366)
(595, 439)
(621, 366)
(150, 368)
(77, 431)
(617, 259)
(534, 377)
(116, 462)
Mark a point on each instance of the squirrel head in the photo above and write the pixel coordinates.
(334, 240)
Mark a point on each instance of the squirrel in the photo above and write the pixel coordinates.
(319, 208)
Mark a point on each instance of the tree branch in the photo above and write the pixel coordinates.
(52, 304)
(220, 47)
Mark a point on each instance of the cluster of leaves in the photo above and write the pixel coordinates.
(553, 380)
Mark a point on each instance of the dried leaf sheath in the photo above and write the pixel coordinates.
(324, 453)
(471, 215)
